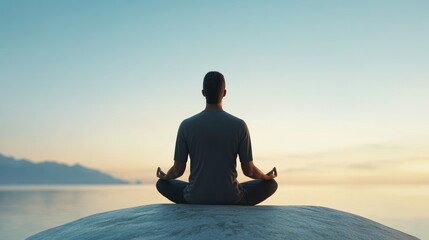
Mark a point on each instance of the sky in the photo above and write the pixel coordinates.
(332, 91)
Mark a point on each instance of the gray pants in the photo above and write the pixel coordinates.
(255, 191)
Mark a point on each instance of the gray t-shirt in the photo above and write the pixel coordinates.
(213, 138)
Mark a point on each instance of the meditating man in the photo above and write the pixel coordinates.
(213, 139)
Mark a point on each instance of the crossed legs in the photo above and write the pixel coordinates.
(255, 191)
(172, 189)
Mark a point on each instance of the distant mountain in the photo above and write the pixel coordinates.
(14, 171)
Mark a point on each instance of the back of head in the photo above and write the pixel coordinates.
(214, 87)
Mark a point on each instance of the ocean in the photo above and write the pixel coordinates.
(26, 210)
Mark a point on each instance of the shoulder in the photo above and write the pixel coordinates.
(237, 121)
(190, 120)
(239, 126)
(233, 118)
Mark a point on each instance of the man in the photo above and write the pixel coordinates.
(213, 139)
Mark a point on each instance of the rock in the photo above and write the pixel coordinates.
(169, 221)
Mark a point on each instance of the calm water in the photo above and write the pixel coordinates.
(25, 210)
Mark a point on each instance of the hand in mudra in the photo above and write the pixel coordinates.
(272, 174)
(160, 174)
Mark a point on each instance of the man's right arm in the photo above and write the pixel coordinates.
(251, 171)
(175, 171)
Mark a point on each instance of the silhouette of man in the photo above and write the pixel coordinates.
(213, 138)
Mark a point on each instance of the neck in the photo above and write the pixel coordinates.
(216, 106)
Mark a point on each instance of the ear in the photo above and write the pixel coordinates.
(203, 92)
(224, 92)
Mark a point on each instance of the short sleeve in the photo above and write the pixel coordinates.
(181, 150)
(245, 145)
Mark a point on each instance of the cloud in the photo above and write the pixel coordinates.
(380, 163)
(363, 166)
(300, 169)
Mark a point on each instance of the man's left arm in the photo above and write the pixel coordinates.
(250, 170)
(175, 171)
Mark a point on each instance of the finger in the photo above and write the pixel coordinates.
(274, 172)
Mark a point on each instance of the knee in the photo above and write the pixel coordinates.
(272, 185)
(159, 184)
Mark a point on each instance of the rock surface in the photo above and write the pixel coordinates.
(169, 221)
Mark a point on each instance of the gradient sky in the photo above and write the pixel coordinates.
(332, 91)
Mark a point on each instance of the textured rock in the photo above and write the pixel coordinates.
(168, 221)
